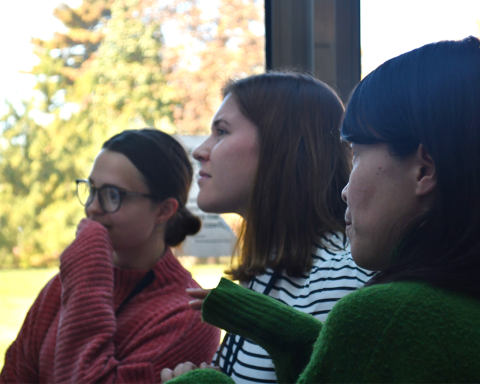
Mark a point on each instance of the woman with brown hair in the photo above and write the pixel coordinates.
(413, 215)
(117, 310)
(275, 157)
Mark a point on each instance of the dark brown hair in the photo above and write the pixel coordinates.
(167, 171)
(430, 96)
(302, 169)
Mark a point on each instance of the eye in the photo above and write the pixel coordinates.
(111, 196)
(221, 132)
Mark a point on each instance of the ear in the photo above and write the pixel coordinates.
(166, 209)
(426, 176)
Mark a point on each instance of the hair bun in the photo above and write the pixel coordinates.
(182, 224)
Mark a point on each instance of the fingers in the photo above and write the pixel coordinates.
(166, 375)
(196, 305)
(206, 366)
(197, 293)
(182, 368)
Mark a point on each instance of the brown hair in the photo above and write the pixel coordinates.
(302, 169)
(168, 173)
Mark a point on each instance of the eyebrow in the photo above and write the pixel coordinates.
(106, 185)
(217, 122)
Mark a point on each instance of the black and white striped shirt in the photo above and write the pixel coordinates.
(334, 274)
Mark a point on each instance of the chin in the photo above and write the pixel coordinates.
(361, 258)
(208, 207)
(366, 261)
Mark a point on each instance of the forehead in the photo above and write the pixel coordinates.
(114, 168)
(229, 109)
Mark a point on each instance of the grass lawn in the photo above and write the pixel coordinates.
(19, 288)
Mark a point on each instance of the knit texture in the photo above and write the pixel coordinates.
(72, 333)
(397, 332)
(333, 275)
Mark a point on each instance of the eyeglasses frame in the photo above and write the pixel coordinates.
(94, 190)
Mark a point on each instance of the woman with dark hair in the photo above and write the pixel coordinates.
(275, 157)
(414, 215)
(117, 311)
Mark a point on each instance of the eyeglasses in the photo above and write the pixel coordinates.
(109, 197)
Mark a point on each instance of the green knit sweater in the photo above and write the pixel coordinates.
(397, 332)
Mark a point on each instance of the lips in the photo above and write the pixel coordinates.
(202, 177)
(348, 222)
(203, 174)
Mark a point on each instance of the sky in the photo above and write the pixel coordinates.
(19, 21)
(392, 27)
(388, 28)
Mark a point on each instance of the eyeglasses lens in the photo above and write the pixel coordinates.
(83, 192)
(110, 198)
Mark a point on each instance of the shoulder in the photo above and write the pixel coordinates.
(49, 298)
(381, 297)
(400, 301)
(42, 313)
(427, 329)
(370, 315)
(171, 275)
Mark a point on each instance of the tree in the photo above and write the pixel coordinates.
(112, 70)
(219, 40)
(130, 87)
(39, 162)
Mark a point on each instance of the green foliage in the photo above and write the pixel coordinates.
(103, 76)
(131, 90)
(35, 180)
(109, 72)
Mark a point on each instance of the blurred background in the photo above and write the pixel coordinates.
(76, 72)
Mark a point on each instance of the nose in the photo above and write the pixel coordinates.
(344, 193)
(202, 152)
(93, 209)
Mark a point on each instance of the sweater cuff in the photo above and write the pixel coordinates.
(286, 334)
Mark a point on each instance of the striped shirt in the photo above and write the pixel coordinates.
(334, 274)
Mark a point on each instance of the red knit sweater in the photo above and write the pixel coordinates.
(72, 334)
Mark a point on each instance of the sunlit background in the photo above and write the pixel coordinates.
(388, 28)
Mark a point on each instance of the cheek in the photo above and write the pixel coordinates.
(233, 166)
(360, 194)
(237, 162)
(132, 227)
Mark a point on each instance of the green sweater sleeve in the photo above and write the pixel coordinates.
(389, 333)
(203, 376)
(286, 334)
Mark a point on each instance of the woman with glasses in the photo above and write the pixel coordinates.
(117, 311)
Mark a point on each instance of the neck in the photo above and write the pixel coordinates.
(140, 258)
